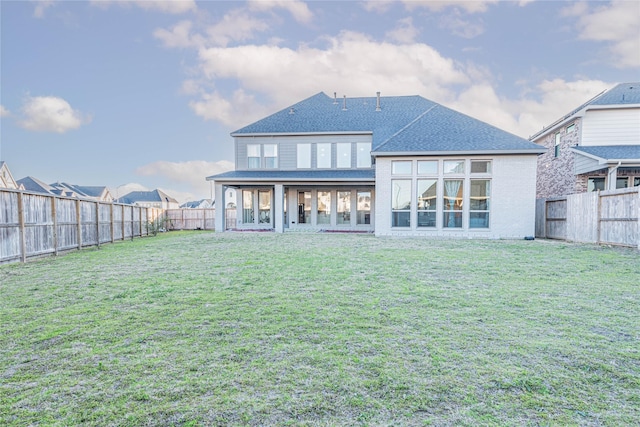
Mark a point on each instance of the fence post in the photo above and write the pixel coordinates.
(79, 223)
(54, 215)
(111, 225)
(23, 241)
(638, 215)
(598, 217)
(98, 224)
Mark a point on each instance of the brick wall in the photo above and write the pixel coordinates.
(556, 174)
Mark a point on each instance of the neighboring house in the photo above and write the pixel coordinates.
(400, 165)
(100, 194)
(198, 204)
(6, 178)
(149, 199)
(595, 147)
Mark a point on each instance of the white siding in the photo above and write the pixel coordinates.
(611, 127)
(287, 147)
(513, 197)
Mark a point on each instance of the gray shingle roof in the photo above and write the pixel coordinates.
(146, 196)
(297, 175)
(35, 185)
(624, 93)
(612, 152)
(403, 124)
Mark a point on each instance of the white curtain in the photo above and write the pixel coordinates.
(451, 188)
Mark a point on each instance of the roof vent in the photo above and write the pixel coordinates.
(292, 111)
(344, 103)
(335, 98)
(378, 101)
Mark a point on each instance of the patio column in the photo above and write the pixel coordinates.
(278, 208)
(613, 177)
(220, 220)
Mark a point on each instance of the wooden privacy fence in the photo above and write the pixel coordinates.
(197, 219)
(34, 225)
(603, 217)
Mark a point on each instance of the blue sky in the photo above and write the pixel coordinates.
(147, 92)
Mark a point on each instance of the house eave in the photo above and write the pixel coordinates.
(264, 134)
(457, 153)
(266, 180)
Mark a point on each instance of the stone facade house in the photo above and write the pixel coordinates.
(594, 147)
(398, 165)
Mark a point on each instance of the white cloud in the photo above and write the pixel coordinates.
(165, 6)
(237, 25)
(352, 64)
(469, 6)
(239, 109)
(41, 6)
(298, 9)
(461, 27)
(404, 32)
(192, 173)
(616, 23)
(4, 112)
(50, 114)
(539, 107)
(179, 36)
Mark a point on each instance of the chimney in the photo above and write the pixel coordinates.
(335, 98)
(378, 101)
(344, 104)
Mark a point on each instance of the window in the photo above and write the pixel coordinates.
(452, 202)
(453, 166)
(344, 207)
(363, 159)
(363, 212)
(401, 203)
(622, 182)
(270, 156)
(571, 127)
(401, 167)
(323, 156)
(304, 156)
(264, 201)
(324, 207)
(479, 203)
(480, 166)
(304, 207)
(247, 207)
(636, 181)
(595, 184)
(253, 156)
(343, 155)
(427, 167)
(556, 152)
(427, 193)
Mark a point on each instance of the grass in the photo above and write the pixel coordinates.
(198, 328)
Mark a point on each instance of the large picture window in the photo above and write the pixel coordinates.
(304, 207)
(401, 203)
(247, 207)
(452, 199)
(264, 202)
(479, 203)
(427, 197)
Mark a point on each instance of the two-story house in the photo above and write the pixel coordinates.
(400, 165)
(594, 147)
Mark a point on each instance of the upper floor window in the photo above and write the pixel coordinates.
(480, 166)
(427, 167)
(401, 167)
(253, 156)
(571, 127)
(256, 152)
(343, 155)
(453, 166)
(323, 156)
(556, 150)
(363, 159)
(270, 156)
(304, 156)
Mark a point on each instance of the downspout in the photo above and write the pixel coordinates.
(613, 174)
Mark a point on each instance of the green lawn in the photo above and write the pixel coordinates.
(198, 328)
